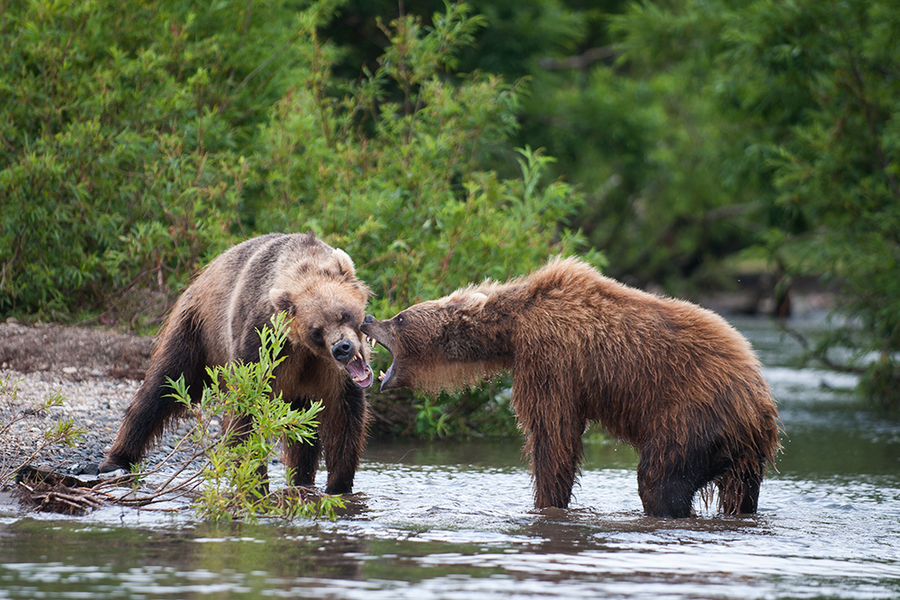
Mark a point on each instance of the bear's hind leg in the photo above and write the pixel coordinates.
(750, 499)
(145, 419)
(666, 488)
(151, 409)
(739, 490)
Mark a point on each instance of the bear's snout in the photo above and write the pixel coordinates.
(343, 351)
(369, 320)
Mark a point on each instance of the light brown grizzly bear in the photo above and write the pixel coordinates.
(670, 378)
(215, 322)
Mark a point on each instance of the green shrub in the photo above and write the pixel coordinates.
(234, 483)
(121, 127)
(401, 185)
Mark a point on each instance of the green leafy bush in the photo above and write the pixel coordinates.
(121, 127)
(132, 152)
(401, 185)
(235, 483)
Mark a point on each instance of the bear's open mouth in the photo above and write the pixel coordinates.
(383, 377)
(360, 371)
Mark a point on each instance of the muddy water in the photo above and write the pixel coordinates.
(454, 520)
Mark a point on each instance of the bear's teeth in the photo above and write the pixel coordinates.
(381, 375)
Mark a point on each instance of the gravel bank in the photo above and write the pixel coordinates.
(94, 403)
(95, 371)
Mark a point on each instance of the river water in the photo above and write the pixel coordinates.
(454, 521)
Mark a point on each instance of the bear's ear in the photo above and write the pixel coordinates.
(281, 300)
(467, 299)
(345, 263)
(479, 298)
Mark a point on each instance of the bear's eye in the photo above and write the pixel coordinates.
(346, 318)
(400, 319)
(316, 335)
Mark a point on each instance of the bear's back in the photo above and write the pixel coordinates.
(230, 298)
(621, 345)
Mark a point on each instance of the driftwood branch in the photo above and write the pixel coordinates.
(53, 492)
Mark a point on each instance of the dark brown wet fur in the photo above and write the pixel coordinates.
(215, 322)
(670, 378)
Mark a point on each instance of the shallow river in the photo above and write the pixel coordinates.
(454, 520)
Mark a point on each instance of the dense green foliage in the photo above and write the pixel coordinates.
(122, 128)
(389, 168)
(665, 182)
(147, 137)
(144, 139)
(697, 138)
(809, 97)
(400, 185)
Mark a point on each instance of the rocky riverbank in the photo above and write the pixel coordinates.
(94, 372)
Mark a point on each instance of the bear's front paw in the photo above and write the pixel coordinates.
(108, 466)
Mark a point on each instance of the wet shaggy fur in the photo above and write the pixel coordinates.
(215, 322)
(670, 378)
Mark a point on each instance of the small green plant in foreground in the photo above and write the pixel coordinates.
(235, 483)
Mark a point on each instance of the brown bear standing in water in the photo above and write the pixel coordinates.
(215, 322)
(670, 378)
